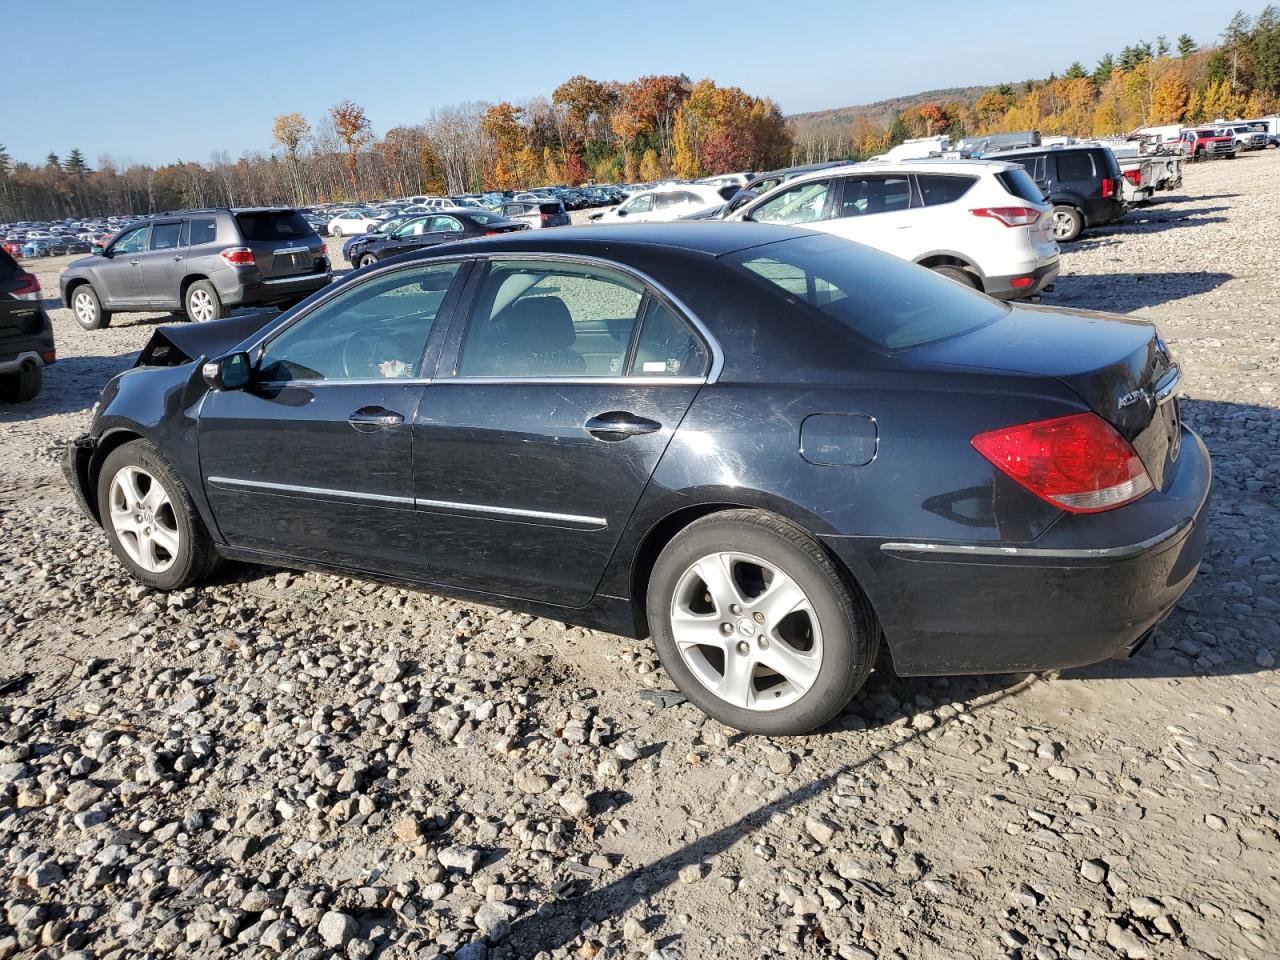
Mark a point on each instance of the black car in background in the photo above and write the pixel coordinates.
(765, 447)
(417, 233)
(26, 337)
(200, 262)
(1082, 183)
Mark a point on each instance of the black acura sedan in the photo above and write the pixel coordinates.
(768, 449)
(418, 233)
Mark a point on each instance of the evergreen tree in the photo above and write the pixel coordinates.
(1075, 71)
(1162, 46)
(1186, 46)
(52, 161)
(1266, 50)
(1102, 72)
(75, 163)
(898, 131)
(1234, 40)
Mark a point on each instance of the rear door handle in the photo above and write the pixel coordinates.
(373, 419)
(618, 425)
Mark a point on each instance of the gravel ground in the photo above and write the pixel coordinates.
(304, 765)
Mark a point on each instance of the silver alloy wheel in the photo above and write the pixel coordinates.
(368, 260)
(85, 311)
(1063, 224)
(200, 305)
(143, 518)
(746, 631)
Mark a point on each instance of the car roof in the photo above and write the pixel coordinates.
(1060, 148)
(710, 237)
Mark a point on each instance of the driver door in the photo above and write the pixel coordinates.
(313, 460)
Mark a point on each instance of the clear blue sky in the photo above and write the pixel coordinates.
(157, 80)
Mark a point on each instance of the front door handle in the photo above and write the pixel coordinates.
(177, 256)
(134, 263)
(618, 425)
(373, 419)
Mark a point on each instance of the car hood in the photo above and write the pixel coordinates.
(212, 338)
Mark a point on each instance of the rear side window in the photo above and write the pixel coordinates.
(869, 195)
(268, 227)
(1018, 184)
(1075, 166)
(936, 189)
(667, 347)
(203, 231)
(890, 303)
(166, 236)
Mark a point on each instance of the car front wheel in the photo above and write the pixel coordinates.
(756, 625)
(150, 521)
(368, 260)
(88, 308)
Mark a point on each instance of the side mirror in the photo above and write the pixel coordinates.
(620, 212)
(98, 250)
(227, 373)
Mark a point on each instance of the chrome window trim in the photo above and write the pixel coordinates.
(326, 276)
(316, 491)
(717, 354)
(517, 512)
(610, 380)
(354, 381)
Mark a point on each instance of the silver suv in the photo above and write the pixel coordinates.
(199, 262)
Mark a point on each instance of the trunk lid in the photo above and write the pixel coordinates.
(283, 243)
(1119, 367)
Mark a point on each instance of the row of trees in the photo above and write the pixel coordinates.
(1146, 83)
(588, 129)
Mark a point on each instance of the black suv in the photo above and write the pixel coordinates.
(199, 262)
(26, 338)
(1082, 183)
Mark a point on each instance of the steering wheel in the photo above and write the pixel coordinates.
(365, 351)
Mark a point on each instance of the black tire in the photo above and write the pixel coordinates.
(335, 231)
(368, 260)
(23, 385)
(1068, 223)
(87, 308)
(849, 631)
(202, 303)
(958, 274)
(195, 558)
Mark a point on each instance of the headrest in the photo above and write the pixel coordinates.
(539, 325)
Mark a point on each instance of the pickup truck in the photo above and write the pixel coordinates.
(1245, 136)
(1206, 143)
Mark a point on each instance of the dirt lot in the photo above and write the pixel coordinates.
(299, 765)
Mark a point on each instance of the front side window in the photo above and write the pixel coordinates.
(377, 329)
(131, 242)
(166, 236)
(640, 204)
(545, 319)
(413, 228)
(802, 203)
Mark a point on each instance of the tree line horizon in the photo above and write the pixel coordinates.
(649, 128)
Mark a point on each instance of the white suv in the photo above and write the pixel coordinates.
(981, 222)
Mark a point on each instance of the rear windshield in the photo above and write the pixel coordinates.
(1018, 183)
(889, 302)
(553, 207)
(284, 225)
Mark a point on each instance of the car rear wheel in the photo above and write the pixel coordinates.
(368, 260)
(23, 385)
(202, 302)
(150, 521)
(88, 308)
(756, 625)
(1067, 223)
(958, 274)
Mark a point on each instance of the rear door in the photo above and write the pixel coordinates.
(880, 210)
(564, 386)
(314, 459)
(283, 243)
(163, 265)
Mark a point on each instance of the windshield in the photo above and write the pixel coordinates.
(889, 302)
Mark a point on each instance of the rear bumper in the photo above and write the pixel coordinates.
(1002, 288)
(266, 293)
(1090, 588)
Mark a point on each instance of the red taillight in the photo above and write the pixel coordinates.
(238, 256)
(1019, 282)
(1009, 216)
(49, 356)
(28, 287)
(1079, 463)
(545, 218)
(492, 233)
(1134, 177)
(1108, 188)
